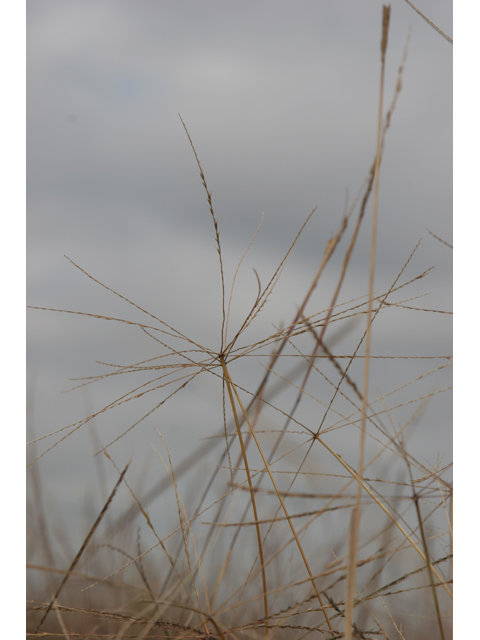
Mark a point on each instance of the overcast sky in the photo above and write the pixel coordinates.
(281, 100)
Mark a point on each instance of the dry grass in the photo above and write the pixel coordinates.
(339, 551)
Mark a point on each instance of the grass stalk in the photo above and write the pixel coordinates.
(355, 526)
(229, 384)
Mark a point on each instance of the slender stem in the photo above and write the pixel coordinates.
(355, 526)
(228, 380)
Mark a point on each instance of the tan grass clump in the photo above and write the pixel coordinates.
(289, 538)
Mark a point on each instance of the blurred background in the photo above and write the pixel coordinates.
(281, 102)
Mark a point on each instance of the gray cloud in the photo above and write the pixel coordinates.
(281, 102)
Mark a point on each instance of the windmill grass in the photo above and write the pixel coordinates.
(248, 559)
